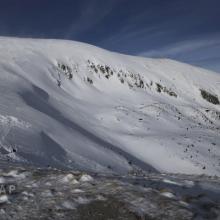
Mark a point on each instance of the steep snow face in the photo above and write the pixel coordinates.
(72, 105)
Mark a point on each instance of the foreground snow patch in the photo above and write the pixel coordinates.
(86, 178)
(3, 199)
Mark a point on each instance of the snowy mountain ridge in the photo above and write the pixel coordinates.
(70, 104)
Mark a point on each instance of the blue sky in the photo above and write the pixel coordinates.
(185, 30)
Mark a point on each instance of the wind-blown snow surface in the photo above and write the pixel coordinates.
(69, 104)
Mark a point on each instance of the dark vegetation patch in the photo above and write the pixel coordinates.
(105, 70)
(110, 209)
(133, 80)
(66, 70)
(126, 77)
(212, 98)
(89, 80)
(161, 88)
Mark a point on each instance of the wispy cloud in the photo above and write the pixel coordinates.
(91, 13)
(202, 52)
(183, 47)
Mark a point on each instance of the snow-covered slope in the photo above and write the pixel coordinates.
(70, 104)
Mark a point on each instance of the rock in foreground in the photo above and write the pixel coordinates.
(55, 194)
